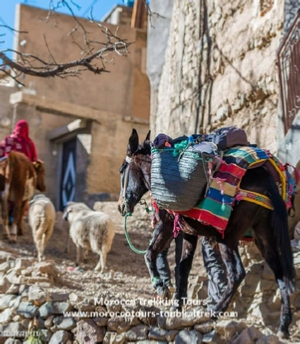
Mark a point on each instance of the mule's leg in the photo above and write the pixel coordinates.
(163, 267)
(235, 275)
(272, 238)
(270, 253)
(162, 236)
(17, 215)
(5, 216)
(188, 249)
(216, 271)
(20, 217)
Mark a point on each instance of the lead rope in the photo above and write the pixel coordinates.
(148, 210)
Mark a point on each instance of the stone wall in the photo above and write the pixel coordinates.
(158, 35)
(289, 143)
(220, 69)
(29, 308)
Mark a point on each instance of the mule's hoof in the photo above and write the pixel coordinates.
(163, 293)
(171, 288)
(283, 335)
(20, 232)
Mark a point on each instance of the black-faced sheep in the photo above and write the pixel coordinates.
(90, 230)
(41, 218)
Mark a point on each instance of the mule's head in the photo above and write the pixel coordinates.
(135, 173)
(40, 175)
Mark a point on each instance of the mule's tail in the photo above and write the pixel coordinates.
(281, 233)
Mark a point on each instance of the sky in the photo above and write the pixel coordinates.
(81, 8)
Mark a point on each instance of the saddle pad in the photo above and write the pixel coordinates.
(246, 156)
(216, 208)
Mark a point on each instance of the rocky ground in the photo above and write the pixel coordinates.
(126, 277)
(125, 270)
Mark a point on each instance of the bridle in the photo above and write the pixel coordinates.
(129, 161)
(126, 177)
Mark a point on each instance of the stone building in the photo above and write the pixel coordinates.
(217, 65)
(80, 124)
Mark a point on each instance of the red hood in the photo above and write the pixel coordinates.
(21, 129)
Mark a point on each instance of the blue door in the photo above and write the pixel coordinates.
(68, 175)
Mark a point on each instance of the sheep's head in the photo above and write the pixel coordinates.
(72, 209)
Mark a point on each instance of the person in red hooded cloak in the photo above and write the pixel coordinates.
(19, 141)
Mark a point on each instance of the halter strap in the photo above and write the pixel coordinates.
(128, 160)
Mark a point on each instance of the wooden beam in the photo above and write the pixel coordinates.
(138, 14)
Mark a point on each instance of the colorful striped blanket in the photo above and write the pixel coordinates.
(216, 208)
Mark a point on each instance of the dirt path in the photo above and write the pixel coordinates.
(125, 271)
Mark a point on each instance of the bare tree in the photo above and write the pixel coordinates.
(93, 53)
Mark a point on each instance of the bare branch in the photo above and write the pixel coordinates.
(92, 52)
(53, 59)
(152, 14)
(15, 77)
(11, 29)
(59, 69)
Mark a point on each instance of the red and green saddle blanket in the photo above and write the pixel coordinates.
(224, 190)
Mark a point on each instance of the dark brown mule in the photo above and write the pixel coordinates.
(19, 179)
(269, 228)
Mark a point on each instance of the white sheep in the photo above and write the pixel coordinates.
(41, 218)
(90, 230)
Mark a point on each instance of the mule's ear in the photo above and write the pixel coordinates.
(148, 136)
(133, 143)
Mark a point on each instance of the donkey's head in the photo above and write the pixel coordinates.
(135, 173)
